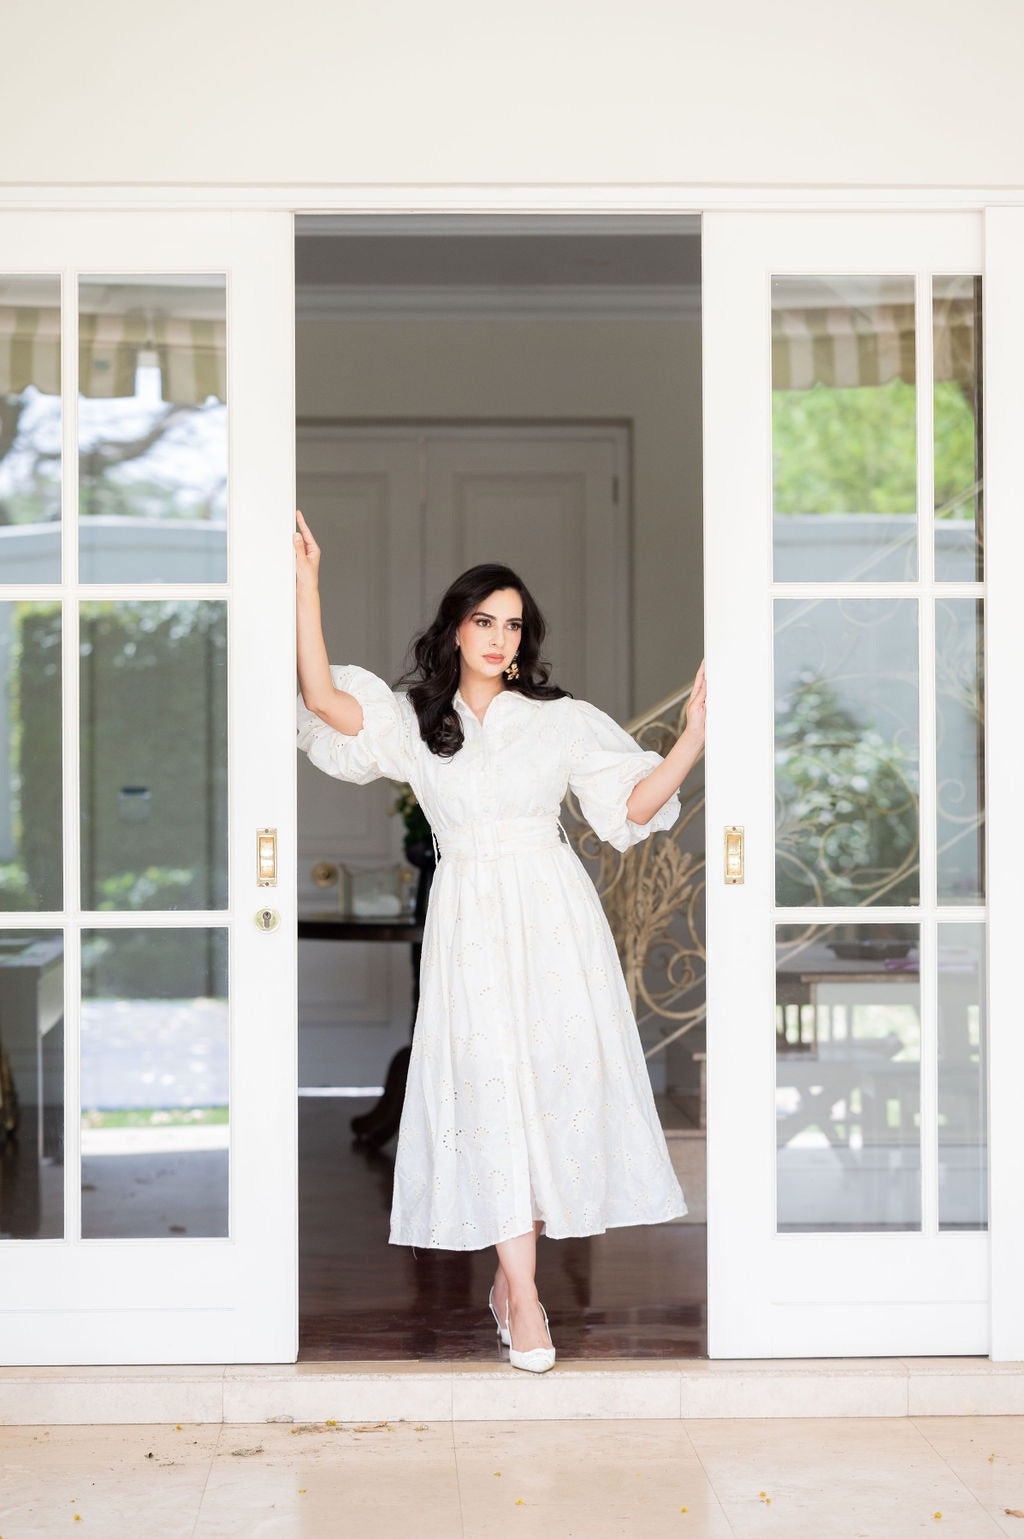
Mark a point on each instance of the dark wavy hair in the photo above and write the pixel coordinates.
(434, 676)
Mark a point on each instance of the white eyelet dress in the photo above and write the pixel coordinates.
(528, 1096)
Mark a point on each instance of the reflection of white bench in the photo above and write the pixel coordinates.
(848, 1091)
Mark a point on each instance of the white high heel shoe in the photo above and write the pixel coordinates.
(537, 1359)
(506, 1339)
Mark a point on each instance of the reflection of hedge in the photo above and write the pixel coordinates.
(35, 715)
(154, 716)
(848, 802)
(153, 700)
(154, 964)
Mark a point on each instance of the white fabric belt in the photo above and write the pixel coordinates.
(498, 836)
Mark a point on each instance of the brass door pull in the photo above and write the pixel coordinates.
(266, 857)
(733, 852)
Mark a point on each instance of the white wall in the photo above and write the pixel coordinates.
(880, 91)
(643, 372)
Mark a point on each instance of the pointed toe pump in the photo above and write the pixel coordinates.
(506, 1339)
(537, 1359)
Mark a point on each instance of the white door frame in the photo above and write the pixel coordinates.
(1004, 657)
(637, 206)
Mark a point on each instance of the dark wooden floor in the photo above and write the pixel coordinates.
(630, 1293)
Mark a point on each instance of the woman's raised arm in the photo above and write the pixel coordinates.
(334, 706)
(665, 779)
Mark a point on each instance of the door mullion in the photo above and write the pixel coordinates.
(70, 741)
(928, 758)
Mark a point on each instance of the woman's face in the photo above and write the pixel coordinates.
(489, 637)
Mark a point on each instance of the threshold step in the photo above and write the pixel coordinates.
(362, 1392)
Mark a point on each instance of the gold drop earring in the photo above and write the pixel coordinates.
(512, 671)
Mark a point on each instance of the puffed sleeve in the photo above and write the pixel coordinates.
(381, 747)
(605, 764)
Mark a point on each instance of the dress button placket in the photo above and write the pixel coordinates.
(489, 858)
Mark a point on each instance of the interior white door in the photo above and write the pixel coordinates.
(845, 576)
(147, 962)
(550, 504)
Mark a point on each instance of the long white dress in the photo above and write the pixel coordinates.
(528, 1096)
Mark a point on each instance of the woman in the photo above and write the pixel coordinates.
(528, 1108)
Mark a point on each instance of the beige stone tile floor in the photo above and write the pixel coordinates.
(954, 1477)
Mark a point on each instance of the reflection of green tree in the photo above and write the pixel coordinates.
(855, 450)
(103, 486)
(847, 805)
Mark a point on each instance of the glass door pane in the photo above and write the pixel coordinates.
(844, 428)
(31, 1084)
(962, 1089)
(152, 425)
(30, 429)
(154, 754)
(959, 480)
(959, 749)
(848, 1077)
(155, 1118)
(31, 780)
(847, 752)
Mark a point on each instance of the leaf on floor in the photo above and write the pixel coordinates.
(1013, 1512)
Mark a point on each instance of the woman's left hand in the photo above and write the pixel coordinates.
(696, 708)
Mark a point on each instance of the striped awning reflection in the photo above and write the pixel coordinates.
(844, 346)
(190, 353)
(29, 349)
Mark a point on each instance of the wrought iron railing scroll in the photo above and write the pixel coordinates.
(653, 895)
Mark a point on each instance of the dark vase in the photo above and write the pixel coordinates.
(420, 853)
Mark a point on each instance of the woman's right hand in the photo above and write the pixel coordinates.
(307, 556)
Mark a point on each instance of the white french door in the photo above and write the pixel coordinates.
(848, 568)
(147, 1078)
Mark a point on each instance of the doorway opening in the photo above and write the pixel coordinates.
(528, 392)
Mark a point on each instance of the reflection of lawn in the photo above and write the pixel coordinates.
(159, 1116)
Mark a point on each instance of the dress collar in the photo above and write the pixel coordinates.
(467, 710)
